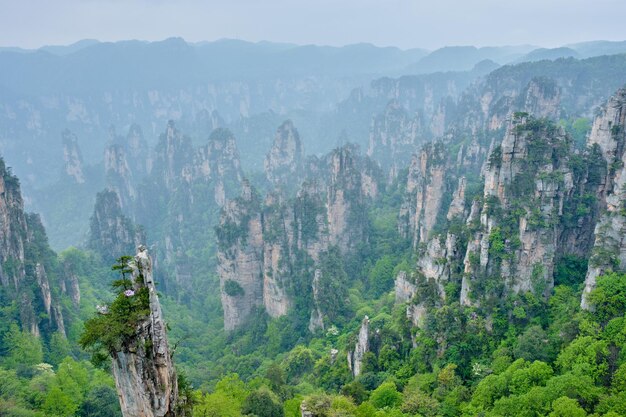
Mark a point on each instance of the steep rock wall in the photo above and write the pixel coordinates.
(144, 373)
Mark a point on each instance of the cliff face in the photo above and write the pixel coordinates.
(264, 244)
(240, 257)
(355, 357)
(284, 163)
(527, 174)
(173, 157)
(425, 189)
(394, 137)
(174, 190)
(609, 249)
(145, 376)
(119, 176)
(127, 160)
(26, 258)
(346, 197)
(72, 157)
(111, 233)
(540, 200)
(218, 162)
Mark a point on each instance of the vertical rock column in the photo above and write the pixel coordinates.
(144, 372)
(362, 346)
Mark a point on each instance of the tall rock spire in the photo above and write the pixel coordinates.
(144, 373)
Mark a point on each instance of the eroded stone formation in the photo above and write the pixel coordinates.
(25, 267)
(144, 373)
(526, 214)
(264, 244)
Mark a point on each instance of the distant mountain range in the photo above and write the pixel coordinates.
(79, 65)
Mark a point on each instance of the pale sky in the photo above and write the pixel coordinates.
(403, 23)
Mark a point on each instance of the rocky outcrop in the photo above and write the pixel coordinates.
(394, 137)
(144, 373)
(527, 182)
(263, 245)
(69, 282)
(72, 157)
(119, 176)
(457, 207)
(316, 321)
(278, 233)
(180, 194)
(138, 155)
(346, 197)
(111, 233)
(488, 105)
(174, 157)
(218, 162)
(25, 258)
(404, 288)
(609, 250)
(425, 189)
(355, 357)
(424, 287)
(284, 164)
(240, 257)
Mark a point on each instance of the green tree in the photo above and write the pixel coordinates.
(566, 407)
(299, 361)
(262, 403)
(59, 403)
(101, 401)
(24, 349)
(386, 395)
(418, 402)
(609, 297)
(532, 345)
(59, 348)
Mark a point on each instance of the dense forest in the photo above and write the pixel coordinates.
(454, 246)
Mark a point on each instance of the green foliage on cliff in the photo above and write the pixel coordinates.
(116, 323)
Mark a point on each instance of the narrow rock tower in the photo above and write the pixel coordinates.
(144, 372)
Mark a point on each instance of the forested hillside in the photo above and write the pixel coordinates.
(458, 251)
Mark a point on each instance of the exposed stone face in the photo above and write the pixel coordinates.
(425, 190)
(111, 233)
(609, 251)
(542, 98)
(137, 148)
(240, 257)
(355, 358)
(278, 232)
(316, 322)
(12, 225)
(187, 186)
(173, 158)
(72, 157)
(262, 245)
(541, 189)
(433, 270)
(435, 263)
(345, 200)
(218, 161)
(69, 283)
(145, 376)
(119, 176)
(491, 103)
(457, 207)
(23, 246)
(394, 137)
(405, 289)
(284, 164)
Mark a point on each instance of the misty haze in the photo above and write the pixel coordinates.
(312, 209)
